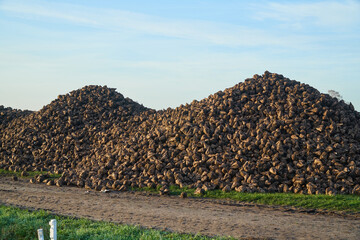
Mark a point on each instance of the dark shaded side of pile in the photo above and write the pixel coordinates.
(267, 134)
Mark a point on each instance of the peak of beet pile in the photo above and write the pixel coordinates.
(266, 134)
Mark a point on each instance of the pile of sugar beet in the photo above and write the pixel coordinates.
(266, 134)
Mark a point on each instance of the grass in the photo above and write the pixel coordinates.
(346, 203)
(31, 174)
(18, 223)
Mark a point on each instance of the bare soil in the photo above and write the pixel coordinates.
(190, 215)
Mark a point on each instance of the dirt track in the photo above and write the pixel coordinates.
(208, 217)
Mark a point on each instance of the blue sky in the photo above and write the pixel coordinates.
(166, 53)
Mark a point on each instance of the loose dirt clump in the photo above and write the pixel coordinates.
(266, 134)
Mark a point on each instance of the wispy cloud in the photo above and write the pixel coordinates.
(204, 31)
(47, 10)
(329, 14)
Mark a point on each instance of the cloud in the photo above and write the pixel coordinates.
(215, 33)
(329, 14)
(40, 10)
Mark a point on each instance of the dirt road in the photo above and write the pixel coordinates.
(209, 217)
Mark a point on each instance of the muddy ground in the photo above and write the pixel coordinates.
(209, 217)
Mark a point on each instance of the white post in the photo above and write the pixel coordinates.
(53, 229)
(40, 234)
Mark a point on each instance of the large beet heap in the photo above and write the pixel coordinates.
(267, 134)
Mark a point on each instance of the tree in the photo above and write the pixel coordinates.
(335, 94)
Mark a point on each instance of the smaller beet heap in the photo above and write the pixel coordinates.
(9, 114)
(61, 133)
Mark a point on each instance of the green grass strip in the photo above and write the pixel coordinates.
(345, 203)
(18, 223)
(31, 174)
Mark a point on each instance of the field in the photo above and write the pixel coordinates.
(16, 223)
(172, 215)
